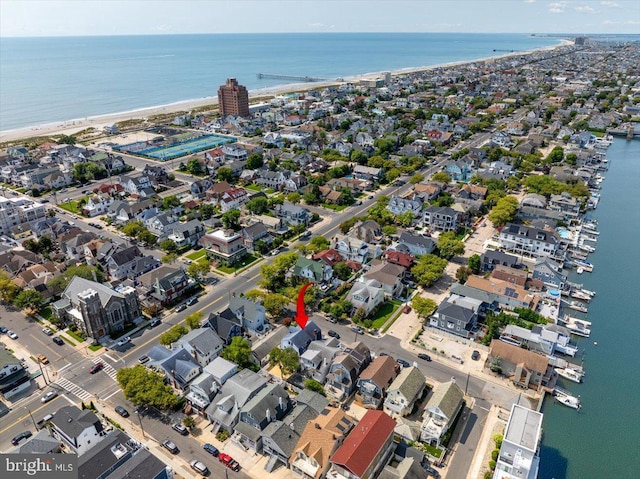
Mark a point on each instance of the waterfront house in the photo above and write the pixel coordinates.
(366, 450)
(440, 412)
(404, 392)
(509, 295)
(533, 242)
(375, 380)
(492, 258)
(457, 315)
(524, 368)
(550, 273)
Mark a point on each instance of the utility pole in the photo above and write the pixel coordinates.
(42, 373)
(466, 386)
(140, 421)
(34, 421)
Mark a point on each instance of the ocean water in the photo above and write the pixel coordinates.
(44, 80)
(603, 439)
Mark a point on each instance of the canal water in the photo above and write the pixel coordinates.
(603, 439)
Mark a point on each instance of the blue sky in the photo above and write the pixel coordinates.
(125, 17)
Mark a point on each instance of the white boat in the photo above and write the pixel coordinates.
(578, 306)
(587, 248)
(584, 264)
(570, 373)
(579, 327)
(580, 270)
(590, 226)
(567, 400)
(589, 292)
(578, 294)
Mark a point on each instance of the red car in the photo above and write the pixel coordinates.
(229, 461)
(96, 367)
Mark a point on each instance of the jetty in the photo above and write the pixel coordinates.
(276, 76)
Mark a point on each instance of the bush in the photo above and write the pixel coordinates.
(222, 435)
(494, 454)
(497, 439)
(492, 465)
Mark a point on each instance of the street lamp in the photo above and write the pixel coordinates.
(42, 372)
(34, 421)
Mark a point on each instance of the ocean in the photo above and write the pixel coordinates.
(602, 440)
(45, 80)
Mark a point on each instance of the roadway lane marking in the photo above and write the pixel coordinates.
(27, 415)
(110, 395)
(64, 367)
(73, 388)
(105, 354)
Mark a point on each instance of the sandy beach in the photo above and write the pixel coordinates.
(99, 122)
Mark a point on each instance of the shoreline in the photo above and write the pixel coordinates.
(71, 126)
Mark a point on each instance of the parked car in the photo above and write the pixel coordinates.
(332, 319)
(98, 227)
(403, 363)
(12, 335)
(155, 322)
(47, 331)
(122, 411)
(45, 420)
(407, 309)
(180, 307)
(96, 367)
(19, 437)
(333, 334)
(199, 467)
(170, 446)
(180, 428)
(43, 359)
(229, 461)
(58, 340)
(123, 341)
(3, 330)
(187, 261)
(424, 356)
(357, 329)
(143, 359)
(211, 449)
(275, 252)
(49, 396)
(475, 355)
(192, 301)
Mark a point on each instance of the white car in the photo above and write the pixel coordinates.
(12, 335)
(49, 396)
(123, 341)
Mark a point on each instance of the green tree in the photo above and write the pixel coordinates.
(315, 386)
(294, 197)
(254, 161)
(231, 219)
(474, 262)
(392, 175)
(195, 167)
(441, 176)
(258, 205)
(189, 422)
(317, 244)
(417, 178)
(198, 269)
(147, 237)
(424, 307)
(428, 269)
(133, 228)
(172, 335)
(144, 387)
(206, 211)
(168, 246)
(287, 358)
(193, 320)
(224, 173)
(342, 270)
(273, 274)
(170, 202)
(238, 352)
(8, 289)
(389, 230)
(463, 273)
(504, 211)
(169, 258)
(29, 298)
(59, 283)
(275, 304)
(449, 246)
(405, 219)
(556, 155)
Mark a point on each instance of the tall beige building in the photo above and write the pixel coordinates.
(233, 99)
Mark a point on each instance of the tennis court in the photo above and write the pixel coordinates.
(177, 149)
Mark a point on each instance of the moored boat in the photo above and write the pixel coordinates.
(571, 374)
(578, 306)
(584, 265)
(569, 401)
(579, 294)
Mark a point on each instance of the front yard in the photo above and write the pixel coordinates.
(71, 206)
(384, 313)
(246, 261)
(197, 255)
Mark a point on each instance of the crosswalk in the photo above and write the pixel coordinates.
(107, 368)
(73, 389)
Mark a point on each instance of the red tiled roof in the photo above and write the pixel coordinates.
(329, 256)
(363, 444)
(402, 259)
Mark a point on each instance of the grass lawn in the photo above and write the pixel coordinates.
(254, 187)
(95, 347)
(384, 313)
(196, 255)
(71, 206)
(46, 313)
(247, 260)
(67, 339)
(597, 134)
(334, 207)
(75, 336)
(432, 450)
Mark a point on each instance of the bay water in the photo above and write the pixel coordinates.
(45, 80)
(603, 439)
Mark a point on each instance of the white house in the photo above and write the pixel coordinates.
(366, 295)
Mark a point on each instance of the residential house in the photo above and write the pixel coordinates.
(533, 242)
(41, 442)
(375, 380)
(254, 233)
(415, 245)
(203, 344)
(280, 437)
(233, 199)
(405, 260)
(140, 185)
(315, 271)
(366, 450)
(120, 261)
(354, 249)
(14, 377)
(299, 339)
(388, 275)
(329, 256)
(77, 428)
(404, 392)
(270, 404)
(524, 368)
(176, 364)
(491, 258)
(96, 309)
(345, 370)
(457, 315)
(361, 172)
(440, 412)
(441, 218)
(224, 410)
(97, 205)
(251, 314)
(459, 170)
(225, 246)
(399, 205)
(157, 175)
(226, 325)
(547, 339)
(369, 231)
(366, 295)
(72, 245)
(519, 455)
(550, 273)
(565, 204)
(160, 224)
(183, 234)
(293, 214)
(199, 187)
(317, 359)
(509, 295)
(318, 441)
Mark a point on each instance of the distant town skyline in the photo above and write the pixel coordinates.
(147, 17)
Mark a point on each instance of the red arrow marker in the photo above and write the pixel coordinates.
(301, 316)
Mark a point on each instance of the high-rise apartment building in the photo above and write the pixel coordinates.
(233, 99)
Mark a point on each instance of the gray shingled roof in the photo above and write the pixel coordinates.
(78, 285)
(409, 382)
(73, 421)
(447, 398)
